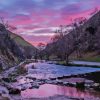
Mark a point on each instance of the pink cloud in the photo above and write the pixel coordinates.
(33, 15)
(21, 22)
(31, 27)
(28, 24)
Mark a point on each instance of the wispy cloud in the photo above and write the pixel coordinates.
(40, 17)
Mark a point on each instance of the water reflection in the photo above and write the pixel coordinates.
(47, 90)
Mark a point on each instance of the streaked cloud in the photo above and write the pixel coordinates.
(39, 18)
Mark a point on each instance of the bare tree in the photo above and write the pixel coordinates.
(4, 22)
(62, 43)
(77, 31)
(7, 25)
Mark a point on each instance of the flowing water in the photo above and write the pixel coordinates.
(45, 71)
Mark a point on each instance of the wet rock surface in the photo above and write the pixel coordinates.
(25, 82)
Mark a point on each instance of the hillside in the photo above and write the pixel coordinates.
(19, 40)
(10, 53)
(82, 42)
(13, 49)
(90, 34)
(28, 49)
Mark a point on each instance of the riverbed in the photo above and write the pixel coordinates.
(45, 91)
(45, 81)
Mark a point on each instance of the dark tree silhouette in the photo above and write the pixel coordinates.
(91, 30)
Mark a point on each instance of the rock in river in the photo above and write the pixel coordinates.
(14, 91)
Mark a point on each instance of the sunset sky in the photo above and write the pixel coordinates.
(37, 19)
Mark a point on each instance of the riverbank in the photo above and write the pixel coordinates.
(41, 76)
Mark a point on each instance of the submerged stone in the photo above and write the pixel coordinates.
(14, 91)
(6, 79)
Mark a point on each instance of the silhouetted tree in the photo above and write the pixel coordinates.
(62, 45)
(4, 22)
(77, 28)
(91, 30)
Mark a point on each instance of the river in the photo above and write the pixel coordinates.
(43, 70)
(48, 90)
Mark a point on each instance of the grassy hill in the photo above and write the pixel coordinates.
(28, 49)
(19, 40)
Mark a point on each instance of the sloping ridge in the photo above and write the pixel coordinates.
(19, 40)
(28, 49)
(94, 20)
(88, 35)
(10, 53)
(91, 30)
